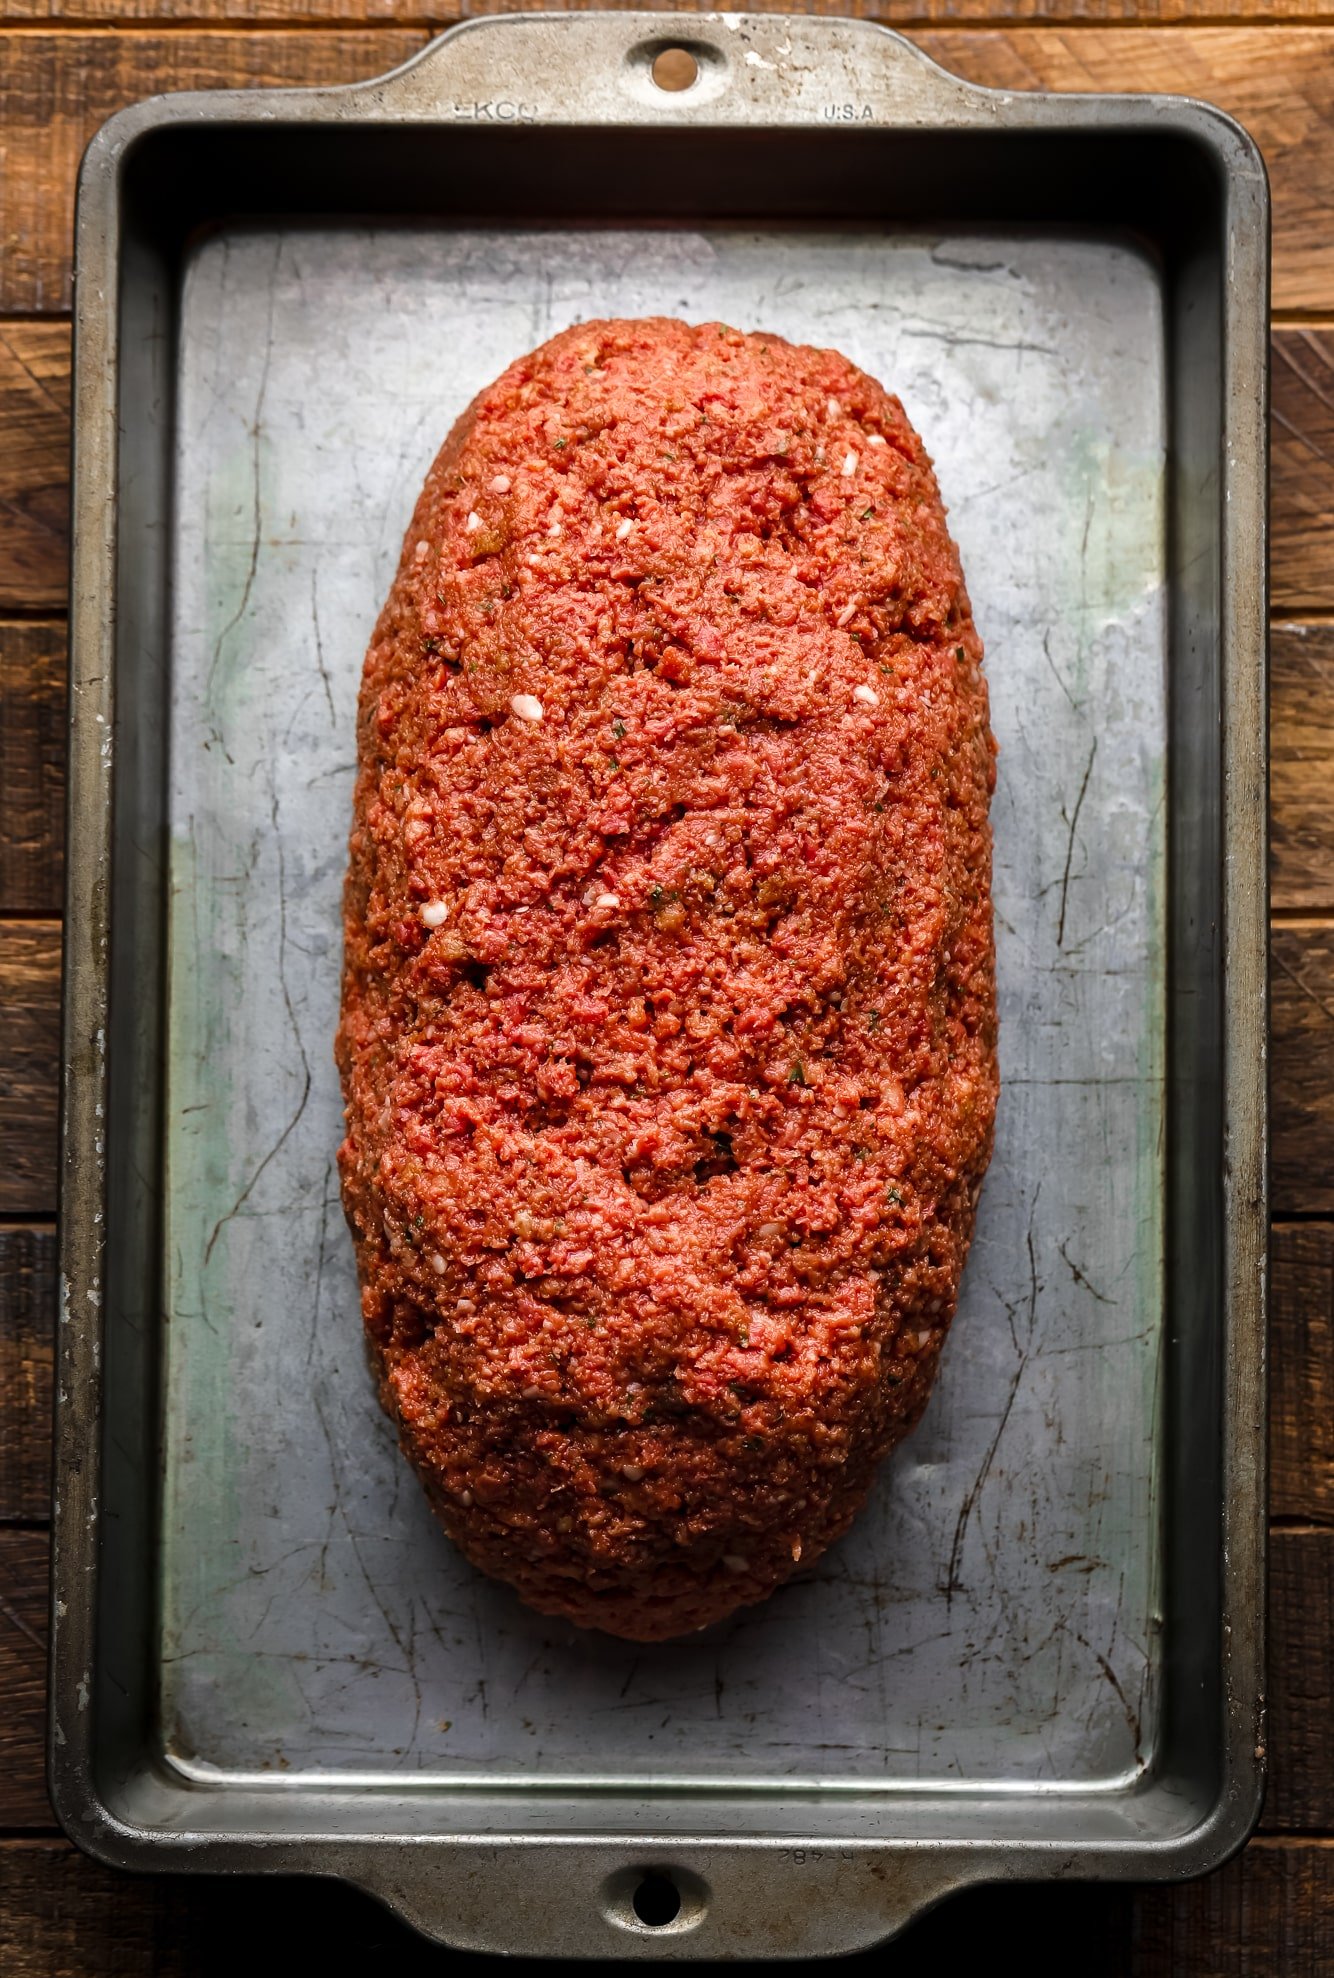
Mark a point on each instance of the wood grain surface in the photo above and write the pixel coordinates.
(64, 66)
(56, 88)
(1301, 1681)
(1301, 767)
(1278, 81)
(27, 1333)
(1268, 1914)
(1302, 1068)
(34, 462)
(23, 1603)
(32, 766)
(64, 1916)
(1301, 1373)
(30, 1000)
(1302, 468)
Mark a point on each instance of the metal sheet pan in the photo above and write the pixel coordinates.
(1005, 1667)
(994, 1615)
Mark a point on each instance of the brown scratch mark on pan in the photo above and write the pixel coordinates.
(256, 436)
(319, 646)
(1056, 673)
(974, 1491)
(1070, 843)
(1079, 1276)
(1131, 1714)
(304, 1100)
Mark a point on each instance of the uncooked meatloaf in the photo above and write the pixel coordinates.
(668, 1026)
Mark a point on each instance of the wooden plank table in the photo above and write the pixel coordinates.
(64, 66)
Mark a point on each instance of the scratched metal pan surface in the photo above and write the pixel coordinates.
(994, 1615)
(266, 1653)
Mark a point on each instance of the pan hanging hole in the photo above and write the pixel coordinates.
(666, 1901)
(657, 1901)
(674, 69)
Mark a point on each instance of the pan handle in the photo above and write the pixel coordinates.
(594, 1900)
(670, 70)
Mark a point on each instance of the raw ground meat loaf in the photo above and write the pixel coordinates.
(668, 1029)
